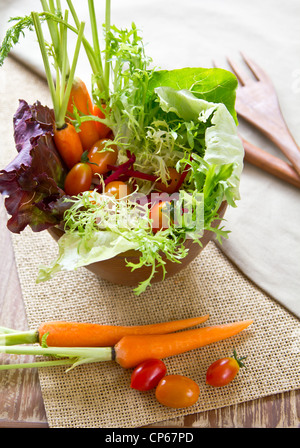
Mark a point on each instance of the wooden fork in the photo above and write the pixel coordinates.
(271, 164)
(257, 103)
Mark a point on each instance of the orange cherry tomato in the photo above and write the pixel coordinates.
(172, 182)
(224, 370)
(103, 130)
(118, 189)
(100, 158)
(177, 391)
(95, 198)
(160, 216)
(78, 179)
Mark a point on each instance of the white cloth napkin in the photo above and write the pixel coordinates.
(265, 228)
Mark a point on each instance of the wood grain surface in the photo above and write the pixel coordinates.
(21, 402)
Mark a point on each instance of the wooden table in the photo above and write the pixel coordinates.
(21, 402)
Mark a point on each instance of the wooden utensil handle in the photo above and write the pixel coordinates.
(285, 141)
(273, 165)
(275, 128)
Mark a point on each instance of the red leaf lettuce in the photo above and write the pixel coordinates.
(33, 181)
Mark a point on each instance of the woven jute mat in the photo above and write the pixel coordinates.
(98, 395)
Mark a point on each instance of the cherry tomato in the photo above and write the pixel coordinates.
(172, 182)
(147, 375)
(103, 130)
(78, 179)
(177, 391)
(100, 159)
(95, 198)
(118, 189)
(223, 371)
(160, 215)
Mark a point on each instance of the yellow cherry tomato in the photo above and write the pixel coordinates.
(118, 189)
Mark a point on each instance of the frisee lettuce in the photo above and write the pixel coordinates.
(99, 227)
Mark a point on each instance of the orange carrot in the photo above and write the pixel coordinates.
(132, 350)
(68, 144)
(128, 352)
(74, 334)
(103, 130)
(80, 98)
(66, 138)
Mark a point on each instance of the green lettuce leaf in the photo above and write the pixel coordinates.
(210, 84)
(73, 254)
(223, 145)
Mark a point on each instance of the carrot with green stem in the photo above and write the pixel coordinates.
(66, 138)
(85, 119)
(53, 16)
(101, 74)
(55, 33)
(93, 52)
(80, 104)
(81, 334)
(130, 350)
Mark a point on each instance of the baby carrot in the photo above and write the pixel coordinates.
(66, 138)
(132, 350)
(103, 130)
(82, 334)
(77, 334)
(68, 144)
(80, 98)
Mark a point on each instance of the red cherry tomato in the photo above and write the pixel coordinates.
(172, 182)
(78, 179)
(103, 130)
(160, 216)
(147, 375)
(177, 391)
(223, 371)
(118, 189)
(100, 158)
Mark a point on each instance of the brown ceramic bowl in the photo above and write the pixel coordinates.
(116, 271)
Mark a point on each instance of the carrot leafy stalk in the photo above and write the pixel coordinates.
(130, 350)
(65, 136)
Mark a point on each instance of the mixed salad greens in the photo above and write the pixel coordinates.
(159, 122)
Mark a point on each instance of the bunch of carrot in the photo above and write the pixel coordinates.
(80, 101)
(127, 345)
(70, 97)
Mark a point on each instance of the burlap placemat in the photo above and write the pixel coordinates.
(99, 395)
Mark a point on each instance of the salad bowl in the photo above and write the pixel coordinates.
(116, 271)
(168, 137)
